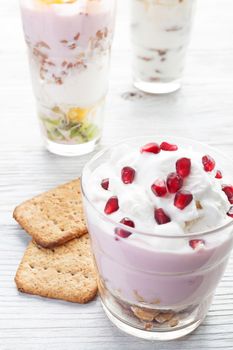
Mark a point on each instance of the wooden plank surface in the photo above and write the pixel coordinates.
(203, 110)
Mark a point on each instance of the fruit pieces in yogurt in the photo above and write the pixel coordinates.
(143, 197)
(69, 50)
(160, 35)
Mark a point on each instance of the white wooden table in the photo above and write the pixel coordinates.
(203, 110)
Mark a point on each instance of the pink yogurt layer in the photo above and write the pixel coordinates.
(46, 24)
(176, 279)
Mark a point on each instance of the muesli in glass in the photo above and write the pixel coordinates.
(160, 33)
(69, 43)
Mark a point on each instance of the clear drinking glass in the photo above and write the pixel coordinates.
(160, 32)
(69, 43)
(157, 294)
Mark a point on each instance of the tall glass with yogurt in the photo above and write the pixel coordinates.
(160, 31)
(160, 218)
(69, 43)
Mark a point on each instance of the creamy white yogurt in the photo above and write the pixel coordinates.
(160, 35)
(137, 201)
(77, 88)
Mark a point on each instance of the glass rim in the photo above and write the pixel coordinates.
(134, 230)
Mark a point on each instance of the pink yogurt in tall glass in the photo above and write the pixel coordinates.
(69, 51)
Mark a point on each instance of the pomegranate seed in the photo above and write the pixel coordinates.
(127, 175)
(196, 243)
(218, 174)
(230, 212)
(111, 205)
(208, 162)
(228, 190)
(105, 184)
(165, 146)
(159, 188)
(183, 167)
(123, 233)
(174, 182)
(151, 148)
(183, 199)
(160, 217)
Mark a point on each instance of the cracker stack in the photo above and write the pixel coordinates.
(58, 262)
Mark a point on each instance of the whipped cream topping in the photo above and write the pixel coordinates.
(137, 201)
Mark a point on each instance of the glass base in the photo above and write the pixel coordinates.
(152, 335)
(158, 87)
(71, 150)
(149, 321)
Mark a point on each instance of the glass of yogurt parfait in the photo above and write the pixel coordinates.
(159, 212)
(160, 31)
(69, 43)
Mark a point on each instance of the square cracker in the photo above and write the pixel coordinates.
(54, 217)
(66, 272)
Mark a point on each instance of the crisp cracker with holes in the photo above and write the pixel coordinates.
(54, 217)
(66, 272)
